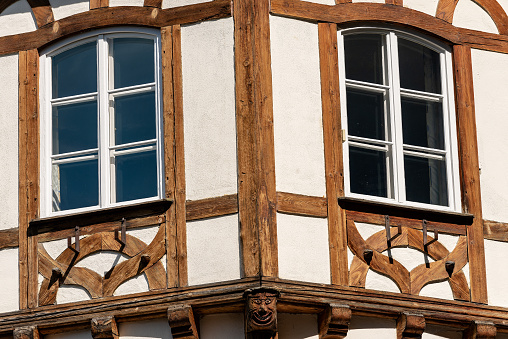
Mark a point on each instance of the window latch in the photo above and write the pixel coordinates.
(122, 238)
(76, 240)
(426, 242)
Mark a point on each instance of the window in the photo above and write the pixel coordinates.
(101, 122)
(398, 116)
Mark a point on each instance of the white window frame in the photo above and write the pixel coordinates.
(395, 170)
(104, 133)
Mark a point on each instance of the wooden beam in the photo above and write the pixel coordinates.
(480, 330)
(334, 321)
(104, 328)
(254, 116)
(394, 2)
(182, 322)
(94, 4)
(212, 207)
(42, 11)
(446, 9)
(9, 238)
(153, 3)
(410, 326)
(298, 204)
(469, 169)
(496, 12)
(28, 332)
(494, 230)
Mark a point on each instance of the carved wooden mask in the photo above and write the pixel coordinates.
(261, 310)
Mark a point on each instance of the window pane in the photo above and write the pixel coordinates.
(367, 171)
(134, 118)
(419, 67)
(136, 176)
(365, 114)
(422, 123)
(74, 127)
(133, 61)
(75, 71)
(75, 185)
(364, 60)
(426, 180)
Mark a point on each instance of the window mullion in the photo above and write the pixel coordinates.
(103, 125)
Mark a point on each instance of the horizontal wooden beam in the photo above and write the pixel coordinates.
(211, 207)
(9, 238)
(301, 205)
(495, 230)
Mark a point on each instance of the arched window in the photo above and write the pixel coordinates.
(398, 115)
(101, 122)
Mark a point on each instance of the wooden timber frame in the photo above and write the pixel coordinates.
(257, 201)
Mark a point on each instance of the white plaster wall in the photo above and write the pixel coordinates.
(504, 4)
(376, 1)
(436, 332)
(470, 15)
(70, 335)
(379, 282)
(223, 326)
(367, 328)
(55, 247)
(209, 109)
(115, 3)
(71, 293)
(213, 250)
(9, 293)
(303, 248)
(496, 253)
(426, 6)
(17, 18)
(297, 113)
(8, 140)
(178, 3)
(490, 78)
(65, 8)
(440, 290)
(297, 326)
(102, 262)
(323, 2)
(134, 285)
(156, 329)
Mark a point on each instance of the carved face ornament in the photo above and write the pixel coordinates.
(262, 309)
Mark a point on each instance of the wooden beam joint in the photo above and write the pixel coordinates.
(334, 322)
(182, 322)
(481, 330)
(410, 325)
(104, 328)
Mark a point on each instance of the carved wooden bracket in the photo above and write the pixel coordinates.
(104, 328)
(410, 326)
(334, 322)
(182, 322)
(29, 332)
(480, 330)
(261, 312)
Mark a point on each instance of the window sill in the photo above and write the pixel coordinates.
(49, 224)
(410, 212)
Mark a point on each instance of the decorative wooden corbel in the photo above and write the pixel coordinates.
(334, 322)
(410, 326)
(104, 328)
(182, 322)
(481, 330)
(29, 332)
(261, 313)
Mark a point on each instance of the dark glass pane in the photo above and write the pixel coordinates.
(419, 67)
(364, 61)
(75, 71)
(136, 176)
(422, 123)
(74, 127)
(367, 172)
(134, 118)
(365, 114)
(75, 185)
(133, 61)
(426, 180)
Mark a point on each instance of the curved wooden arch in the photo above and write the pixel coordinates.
(41, 9)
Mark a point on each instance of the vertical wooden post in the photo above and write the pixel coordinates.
(28, 174)
(94, 4)
(333, 151)
(254, 117)
(469, 168)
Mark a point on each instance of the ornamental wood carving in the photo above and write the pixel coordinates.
(29, 332)
(369, 255)
(261, 312)
(182, 322)
(104, 328)
(334, 322)
(481, 330)
(410, 326)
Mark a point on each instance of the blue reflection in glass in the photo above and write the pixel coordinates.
(133, 61)
(75, 185)
(136, 176)
(74, 127)
(134, 118)
(75, 71)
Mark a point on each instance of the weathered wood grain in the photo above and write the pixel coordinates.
(298, 204)
(410, 326)
(496, 12)
(153, 3)
(446, 9)
(42, 11)
(94, 4)
(212, 207)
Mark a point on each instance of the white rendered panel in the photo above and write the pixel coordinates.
(379, 282)
(303, 248)
(115, 3)
(504, 4)
(178, 3)
(9, 140)
(368, 328)
(223, 326)
(490, 79)
(209, 109)
(374, 1)
(86, 334)
(440, 290)
(323, 2)
(65, 8)
(17, 18)
(469, 15)
(297, 326)
(408, 257)
(213, 250)
(156, 329)
(71, 293)
(134, 285)
(297, 112)
(55, 247)
(102, 262)
(496, 253)
(436, 332)
(426, 6)
(9, 280)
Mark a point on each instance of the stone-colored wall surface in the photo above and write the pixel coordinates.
(17, 18)
(9, 280)
(65, 8)
(223, 326)
(470, 15)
